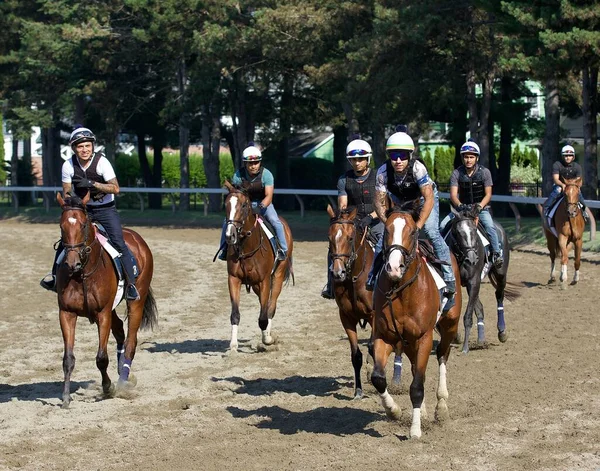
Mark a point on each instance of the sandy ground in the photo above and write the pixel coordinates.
(529, 404)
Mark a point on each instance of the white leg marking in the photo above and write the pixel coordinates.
(576, 276)
(415, 428)
(391, 408)
(563, 272)
(442, 392)
(266, 334)
(233, 344)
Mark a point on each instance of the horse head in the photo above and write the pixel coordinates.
(342, 235)
(571, 193)
(76, 230)
(401, 238)
(464, 231)
(237, 210)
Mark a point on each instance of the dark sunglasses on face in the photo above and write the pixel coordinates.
(358, 153)
(399, 155)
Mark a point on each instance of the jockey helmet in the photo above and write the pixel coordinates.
(469, 147)
(81, 134)
(567, 150)
(252, 153)
(359, 149)
(399, 141)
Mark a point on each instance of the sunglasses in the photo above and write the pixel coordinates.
(358, 153)
(399, 154)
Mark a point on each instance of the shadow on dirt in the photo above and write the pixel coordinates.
(302, 385)
(37, 391)
(337, 421)
(203, 346)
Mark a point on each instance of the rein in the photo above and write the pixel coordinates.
(238, 224)
(572, 208)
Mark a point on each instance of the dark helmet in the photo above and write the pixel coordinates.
(81, 134)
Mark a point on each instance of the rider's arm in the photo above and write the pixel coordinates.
(381, 205)
(268, 199)
(556, 180)
(66, 189)
(111, 186)
(342, 202)
(427, 192)
(342, 195)
(487, 197)
(454, 196)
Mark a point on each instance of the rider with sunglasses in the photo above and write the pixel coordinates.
(404, 178)
(357, 188)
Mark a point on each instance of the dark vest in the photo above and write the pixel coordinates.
(408, 190)
(361, 194)
(471, 189)
(568, 172)
(91, 174)
(254, 188)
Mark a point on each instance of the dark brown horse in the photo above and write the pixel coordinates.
(87, 286)
(406, 303)
(250, 262)
(569, 224)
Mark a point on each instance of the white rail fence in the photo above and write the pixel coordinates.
(48, 194)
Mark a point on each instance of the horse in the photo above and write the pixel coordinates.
(251, 261)
(465, 243)
(87, 286)
(407, 304)
(569, 224)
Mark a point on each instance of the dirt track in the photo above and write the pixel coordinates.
(529, 404)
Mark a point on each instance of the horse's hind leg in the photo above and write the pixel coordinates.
(134, 319)
(68, 321)
(118, 332)
(448, 327)
(235, 285)
(104, 328)
(502, 335)
(480, 323)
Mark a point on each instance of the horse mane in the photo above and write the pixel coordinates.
(342, 213)
(74, 201)
(412, 208)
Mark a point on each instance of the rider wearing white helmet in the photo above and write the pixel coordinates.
(561, 171)
(89, 171)
(404, 178)
(356, 188)
(259, 184)
(471, 185)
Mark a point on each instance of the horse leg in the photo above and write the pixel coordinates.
(104, 328)
(355, 353)
(473, 287)
(448, 328)
(68, 321)
(397, 368)
(578, 248)
(116, 325)
(564, 259)
(264, 322)
(552, 244)
(480, 323)
(419, 360)
(502, 336)
(381, 352)
(134, 319)
(235, 286)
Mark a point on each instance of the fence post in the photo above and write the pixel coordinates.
(141, 198)
(205, 199)
(592, 223)
(301, 206)
(46, 201)
(513, 206)
(15, 198)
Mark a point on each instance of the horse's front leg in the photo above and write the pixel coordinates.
(473, 287)
(235, 286)
(480, 324)
(355, 353)
(564, 258)
(104, 328)
(68, 321)
(381, 352)
(578, 248)
(502, 335)
(264, 322)
(419, 359)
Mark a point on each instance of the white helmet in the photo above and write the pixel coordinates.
(81, 134)
(568, 150)
(252, 153)
(470, 147)
(359, 148)
(400, 141)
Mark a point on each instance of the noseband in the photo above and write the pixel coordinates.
(350, 256)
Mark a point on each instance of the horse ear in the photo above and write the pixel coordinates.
(86, 198)
(476, 220)
(352, 213)
(227, 184)
(60, 199)
(330, 211)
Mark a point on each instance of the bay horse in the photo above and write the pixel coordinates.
(467, 246)
(569, 224)
(250, 261)
(351, 257)
(406, 303)
(87, 285)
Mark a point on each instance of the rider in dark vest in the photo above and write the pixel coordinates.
(471, 184)
(89, 171)
(568, 169)
(356, 188)
(404, 178)
(259, 183)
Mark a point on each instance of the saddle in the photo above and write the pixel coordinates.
(552, 213)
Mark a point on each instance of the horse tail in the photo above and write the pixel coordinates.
(512, 291)
(150, 314)
(289, 273)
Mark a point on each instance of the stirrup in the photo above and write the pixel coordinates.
(281, 255)
(370, 285)
(327, 292)
(131, 293)
(49, 282)
(223, 255)
(497, 260)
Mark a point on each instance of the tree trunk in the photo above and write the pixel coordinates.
(590, 133)
(26, 198)
(143, 158)
(51, 160)
(472, 105)
(502, 181)
(211, 137)
(184, 140)
(14, 161)
(284, 178)
(458, 132)
(158, 144)
(379, 141)
(486, 106)
(550, 146)
(79, 109)
(340, 163)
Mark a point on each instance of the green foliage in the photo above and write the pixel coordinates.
(524, 157)
(428, 159)
(524, 174)
(443, 164)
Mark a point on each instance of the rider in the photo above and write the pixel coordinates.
(356, 188)
(566, 170)
(260, 186)
(90, 171)
(471, 184)
(404, 178)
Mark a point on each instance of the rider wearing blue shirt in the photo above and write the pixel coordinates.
(259, 184)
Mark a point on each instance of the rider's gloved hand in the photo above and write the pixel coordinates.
(81, 182)
(477, 209)
(462, 208)
(365, 222)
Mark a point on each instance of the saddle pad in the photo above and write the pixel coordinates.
(440, 284)
(113, 255)
(483, 238)
(551, 213)
(263, 224)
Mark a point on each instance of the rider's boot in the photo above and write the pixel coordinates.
(449, 294)
(49, 281)
(497, 260)
(372, 278)
(223, 253)
(327, 292)
(584, 213)
(131, 292)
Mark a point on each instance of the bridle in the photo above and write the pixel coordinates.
(572, 208)
(82, 249)
(409, 257)
(350, 257)
(463, 252)
(242, 235)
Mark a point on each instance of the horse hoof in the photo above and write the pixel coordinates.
(65, 404)
(415, 432)
(441, 411)
(268, 340)
(502, 336)
(551, 280)
(358, 394)
(110, 391)
(395, 413)
(465, 350)
(232, 352)
(573, 283)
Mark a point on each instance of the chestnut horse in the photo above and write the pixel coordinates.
(406, 303)
(569, 224)
(250, 261)
(87, 285)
